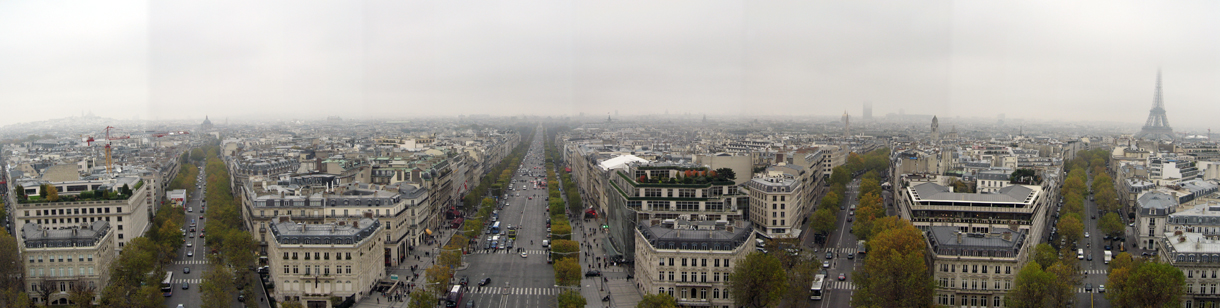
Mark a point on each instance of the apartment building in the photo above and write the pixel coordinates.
(975, 269)
(776, 205)
(310, 263)
(690, 260)
(62, 259)
(79, 204)
(403, 209)
(1191, 242)
(648, 191)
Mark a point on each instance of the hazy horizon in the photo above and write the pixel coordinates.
(1092, 61)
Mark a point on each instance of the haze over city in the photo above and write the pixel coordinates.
(1065, 61)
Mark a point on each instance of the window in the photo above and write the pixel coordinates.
(683, 276)
(683, 261)
(348, 255)
(703, 278)
(326, 256)
(716, 277)
(671, 276)
(285, 269)
(984, 269)
(715, 293)
(704, 261)
(315, 256)
(716, 263)
(306, 256)
(294, 256)
(296, 269)
(662, 276)
(347, 269)
(285, 257)
(671, 261)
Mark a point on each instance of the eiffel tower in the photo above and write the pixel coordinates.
(1157, 126)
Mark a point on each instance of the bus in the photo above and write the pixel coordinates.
(495, 228)
(861, 248)
(166, 288)
(454, 298)
(815, 291)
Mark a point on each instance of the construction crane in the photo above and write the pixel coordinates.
(107, 139)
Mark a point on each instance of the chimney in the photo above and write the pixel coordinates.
(283, 219)
(342, 223)
(959, 237)
(368, 214)
(356, 224)
(1007, 236)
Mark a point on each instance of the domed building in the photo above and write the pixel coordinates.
(207, 124)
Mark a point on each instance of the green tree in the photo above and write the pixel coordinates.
(1066, 278)
(658, 300)
(894, 274)
(81, 295)
(418, 299)
(1070, 228)
(1153, 284)
(217, 287)
(758, 281)
(726, 173)
(823, 221)
(567, 271)
(1029, 289)
(10, 276)
(1118, 275)
(571, 299)
(1110, 224)
(1045, 254)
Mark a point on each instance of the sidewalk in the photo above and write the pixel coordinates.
(613, 281)
(403, 270)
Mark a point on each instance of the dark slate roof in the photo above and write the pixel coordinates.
(1009, 194)
(37, 236)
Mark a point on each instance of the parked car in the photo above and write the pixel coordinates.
(825, 264)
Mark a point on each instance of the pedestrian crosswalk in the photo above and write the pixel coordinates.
(191, 281)
(513, 251)
(841, 285)
(191, 262)
(514, 291)
(844, 250)
(1094, 272)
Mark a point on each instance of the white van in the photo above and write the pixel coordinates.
(546, 243)
(1080, 253)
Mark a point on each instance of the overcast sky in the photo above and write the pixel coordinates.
(1064, 60)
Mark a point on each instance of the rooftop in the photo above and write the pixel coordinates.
(1015, 194)
(1001, 242)
(37, 236)
(696, 235)
(288, 232)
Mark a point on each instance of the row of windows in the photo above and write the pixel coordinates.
(73, 220)
(1201, 274)
(972, 300)
(64, 286)
(694, 276)
(69, 258)
(699, 293)
(321, 256)
(318, 269)
(60, 272)
(965, 268)
(76, 211)
(695, 262)
(975, 284)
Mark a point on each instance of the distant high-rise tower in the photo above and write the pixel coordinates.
(1157, 126)
(868, 111)
(846, 124)
(935, 129)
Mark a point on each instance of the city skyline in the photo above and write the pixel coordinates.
(1084, 61)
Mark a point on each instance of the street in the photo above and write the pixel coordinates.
(516, 281)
